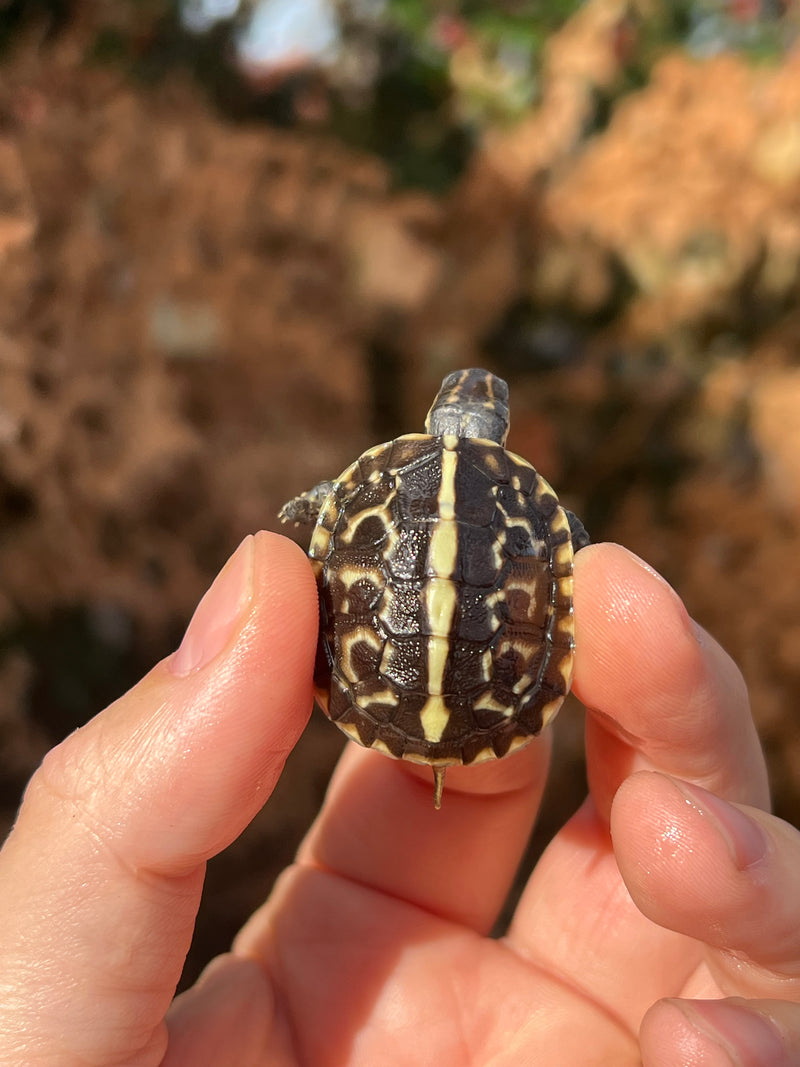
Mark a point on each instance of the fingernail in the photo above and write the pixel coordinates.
(745, 838)
(745, 1035)
(217, 614)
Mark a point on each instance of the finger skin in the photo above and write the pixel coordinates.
(660, 693)
(658, 697)
(379, 827)
(733, 1031)
(726, 875)
(232, 998)
(368, 980)
(102, 874)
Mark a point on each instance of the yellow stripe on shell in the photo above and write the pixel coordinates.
(440, 595)
(434, 717)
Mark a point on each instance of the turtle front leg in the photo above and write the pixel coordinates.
(305, 508)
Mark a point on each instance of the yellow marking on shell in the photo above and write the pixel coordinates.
(565, 623)
(349, 640)
(488, 702)
(440, 595)
(559, 522)
(378, 511)
(347, 478)
(425, 761)
(376, 450)
(434, 717)
(522, 462)
(319, 548)
(519, 742)
(524, 683)
(549, 711)
(562, 556)
(443, 548)
(317, 567)
(566, 585)
(383, 696)
(487, 662)
(329, 512)
(351, 730)
(389, 651)
(516, 484)
(542, 487)
(381, 746)
(498, 555)
(565, 669)
(484, 756)
(493, 614)
(348, 576)
(492, 461)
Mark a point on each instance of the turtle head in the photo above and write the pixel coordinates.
(470, 403)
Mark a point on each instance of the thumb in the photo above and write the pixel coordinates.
(101, 877)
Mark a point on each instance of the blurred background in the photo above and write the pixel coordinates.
(242, 241)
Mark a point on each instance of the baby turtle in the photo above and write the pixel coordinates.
(444, 566)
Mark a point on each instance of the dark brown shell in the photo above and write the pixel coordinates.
(445, 573)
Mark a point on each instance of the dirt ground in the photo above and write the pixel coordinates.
(199, 318)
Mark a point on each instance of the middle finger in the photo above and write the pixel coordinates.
(662, 694)
(379, 828)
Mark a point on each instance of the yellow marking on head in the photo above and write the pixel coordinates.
(434, 718)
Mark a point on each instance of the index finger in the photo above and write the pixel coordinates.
(660, 693)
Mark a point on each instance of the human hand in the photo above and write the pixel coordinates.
(373, 947)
